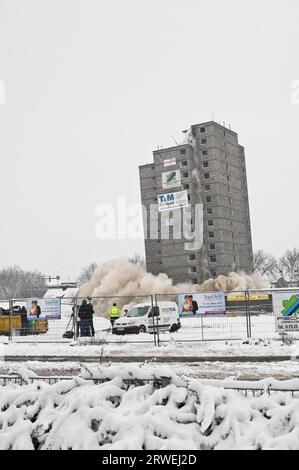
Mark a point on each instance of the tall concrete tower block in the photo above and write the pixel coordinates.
(207, 173)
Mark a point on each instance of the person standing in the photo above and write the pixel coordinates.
(84, 315)
(114, 313)
(91, 313)
(23, 321)
(76, 319)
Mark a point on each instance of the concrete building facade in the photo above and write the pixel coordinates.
(211, 168)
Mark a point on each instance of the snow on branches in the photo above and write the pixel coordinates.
(122, 409)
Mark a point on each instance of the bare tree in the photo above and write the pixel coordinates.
(285, 269)
(17, 283)
(87, 272)
(289, 265)
(137, 259)
(265, 263)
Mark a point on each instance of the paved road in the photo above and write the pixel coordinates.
(282, 370)
(161, 359)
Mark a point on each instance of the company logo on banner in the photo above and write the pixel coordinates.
(171, 179)
(201, 304)
(45, 309)
(170, 201)
(286, 311)
(169, 162)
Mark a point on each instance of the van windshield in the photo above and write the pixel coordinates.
(138, 311)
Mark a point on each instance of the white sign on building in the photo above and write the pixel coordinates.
(169, 162)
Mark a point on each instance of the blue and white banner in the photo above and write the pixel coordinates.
(171, 201)
(201, 304)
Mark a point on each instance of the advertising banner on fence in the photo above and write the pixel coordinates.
(201, 304)
(171, 201)
(251, 297)
(171, 179)
(45, 309)
(286, 311)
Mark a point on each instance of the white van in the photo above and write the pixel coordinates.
(140, 319)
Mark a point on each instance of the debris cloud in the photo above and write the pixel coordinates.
(127, 283)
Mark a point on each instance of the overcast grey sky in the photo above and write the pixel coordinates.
(92, 87)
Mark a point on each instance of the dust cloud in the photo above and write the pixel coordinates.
(126, 284)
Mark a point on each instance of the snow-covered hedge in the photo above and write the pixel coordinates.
(79, 414)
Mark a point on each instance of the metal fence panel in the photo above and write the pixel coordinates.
(262, 319)
(24, 329)
(232, 325)
(247, 314)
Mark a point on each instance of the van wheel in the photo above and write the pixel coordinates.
(142, 329)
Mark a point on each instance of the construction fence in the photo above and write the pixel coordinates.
(158, 318)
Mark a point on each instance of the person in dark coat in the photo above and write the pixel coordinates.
(85, 315)
(91, 312)
(23, 313)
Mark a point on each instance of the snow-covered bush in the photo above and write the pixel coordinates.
(82, 414)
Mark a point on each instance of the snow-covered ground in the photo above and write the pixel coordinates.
(193, 330)
(83, 347)
(186, 414)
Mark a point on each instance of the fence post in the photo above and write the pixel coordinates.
(10, 319)
(247, 313)
(75, 318)
(154, 326)
(201, 323)
(158, 338)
